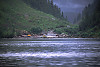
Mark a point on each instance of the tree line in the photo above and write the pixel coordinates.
(90, 16)
(89, 23)
(46, 6)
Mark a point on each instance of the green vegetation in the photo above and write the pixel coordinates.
(46, 6)
(71, 30)
(17, 16)
(89, 25)
(36, 30)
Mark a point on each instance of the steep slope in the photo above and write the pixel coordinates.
(90, 22)
(16, 16)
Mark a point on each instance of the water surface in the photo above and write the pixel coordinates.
(54, 52)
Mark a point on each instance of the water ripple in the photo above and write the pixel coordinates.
(51, 54)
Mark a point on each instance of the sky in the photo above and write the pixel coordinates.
(72, 7)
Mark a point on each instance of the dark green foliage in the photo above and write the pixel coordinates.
(71, 31)
(90, 21)
(90, 16)
(36, 30)
(62, 14)
(46, 6)
(58, 31)
(6, 34)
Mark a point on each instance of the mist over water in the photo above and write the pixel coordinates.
(60, 52)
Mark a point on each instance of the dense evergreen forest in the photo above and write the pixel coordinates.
(90, 23)
(46, 6)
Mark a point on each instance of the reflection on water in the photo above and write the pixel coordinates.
(63, 52)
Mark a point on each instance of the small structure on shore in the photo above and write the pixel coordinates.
(51, 34)
(63, 35)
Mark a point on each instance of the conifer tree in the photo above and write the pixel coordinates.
(46, 6)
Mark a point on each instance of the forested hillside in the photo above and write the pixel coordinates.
(16, 16)
(90, 22)
(46, 6)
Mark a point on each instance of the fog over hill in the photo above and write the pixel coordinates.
(72, 7)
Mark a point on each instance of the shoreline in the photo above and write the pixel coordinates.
(51, 38)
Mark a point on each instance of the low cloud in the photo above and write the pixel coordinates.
(72, 5)
(71, 8)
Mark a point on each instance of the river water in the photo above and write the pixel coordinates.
(54, 52)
